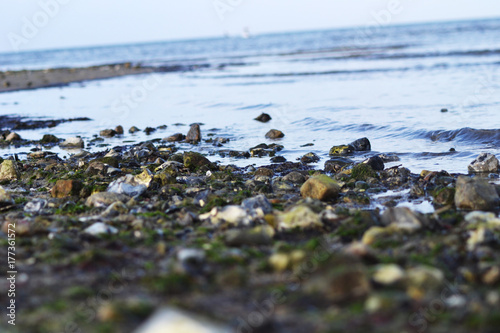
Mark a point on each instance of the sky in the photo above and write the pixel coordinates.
(47, 24)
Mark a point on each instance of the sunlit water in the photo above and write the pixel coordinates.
(325, 88)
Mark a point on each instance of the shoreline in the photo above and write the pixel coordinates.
(181, 231)
(57, 77)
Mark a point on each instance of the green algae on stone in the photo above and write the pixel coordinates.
(341, 150)
(363, 172)
(194, 161)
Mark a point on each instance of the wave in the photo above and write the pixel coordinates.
(484, 136)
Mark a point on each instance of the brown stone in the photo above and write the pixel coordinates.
(66, 188)
(274, 134)
(194, 134)
(320, 187)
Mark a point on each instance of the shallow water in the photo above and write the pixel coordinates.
(325, 88)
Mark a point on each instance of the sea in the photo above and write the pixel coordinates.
(428, 93)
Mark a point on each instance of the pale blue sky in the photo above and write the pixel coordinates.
(28, 24)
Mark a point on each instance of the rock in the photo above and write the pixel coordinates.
(424, 277)
(341, 150)
(8, 171)
(491, 276)
(263, 118)
(75, 142)
(261, 235)
(115, 209)
(149, 130)
(478, 237)
(278, 159)
(145, 177)
(107, 133)
(264, 172)
(66, 188)
(35, 206)
(362, 144)
(475, 194)
(231, 214)
(169, 320)
(320, 187)
(104, 199)
(5, 198)
(119, 130)
(274, 134)
(485, 163)
(49, 138)
(191, 256)
(194, 161)
(402, 218)
(309, 158)
(444, 196)
(177, 137)
(388, 274)
(295, 177)
(133, 130)
(341, 279)
(279, 261)
(376, 162)
(100, 228)
(128, 185)
(257, 206)
(299, 217)
(478, 218)
(194, 134)
(336, 164)
(13, 137)
(374, 234)
(363, 172)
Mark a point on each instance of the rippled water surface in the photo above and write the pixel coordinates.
(324, 87)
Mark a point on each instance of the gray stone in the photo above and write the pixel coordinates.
(402, 218)
(295, 177)
(100, 228)
(475, 194)
(127, 185)
(104, 199)
(257, 206)
(75, 142)
(486, 163)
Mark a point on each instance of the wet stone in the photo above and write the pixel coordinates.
(263, 118)
(194, 134)
(309, 158)
(375, 162)
(475, 194)
(295, 177)
(362, 144)
(177, 137)
(320, 187)
(75, 142)
(274, 134)
(484, 163)
(107, 133)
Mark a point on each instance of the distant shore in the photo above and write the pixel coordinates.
(33, 79)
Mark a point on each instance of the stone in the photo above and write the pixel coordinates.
(104, 199)
(278, 159)
(274, 134)
(100, 228)
(145, 177)
(299, 217)
(475, 194)
(107, 133)
(177, 137)
(49, 138)
(336, 164)
(486, 218)
(279, 261)
(320, 187)
(149, 130)
(119, 130)
(374, 234)
(340, 279)
(478, 237)
(169, 320)
(194, 134)
(264, 172)
(190, 256)
(309, 158)
(362, 144)
(35, 206)
(402, 218)
(115, 209)
(75, 142)
(363, 171)
(444, 196)
(5, 198)
(66, 188)
(128, 185)
(484, 163)
(376, 162)
(295, 177)
(231, 214)
(194, 161)
(13, 137)
(8, 170)
(388, 274)
(491, 276)
(263, 118)
(260, 235)
(424, 277)
(257, 206)
(133, 130)
(341, 150)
